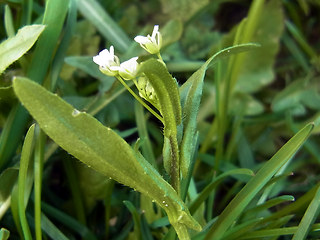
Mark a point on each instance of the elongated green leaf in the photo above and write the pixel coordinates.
(8, 21)
(68, 221)
(13, 48)
(241, 229)
(209, 188)
(299, 205)
(94, 12)
(191, 93)
(277, 232)
(271, 203)
(309, 217)
(50, 229)
(242, 199)
(22, 181)
(171, 32)
(4, 234)
(264, 25)
(102, 149)
(182, 9)
(136, 219)
(70, 27)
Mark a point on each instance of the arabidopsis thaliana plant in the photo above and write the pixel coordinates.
(153, 43)
(107, 61)
(128, 69)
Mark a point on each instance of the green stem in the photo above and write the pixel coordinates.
(38, 167)
(160, 58)
(175, 166)
(139, 99)
(221, 116)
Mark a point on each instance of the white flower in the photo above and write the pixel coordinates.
(151, 43)
(107, 61)
(128, 69)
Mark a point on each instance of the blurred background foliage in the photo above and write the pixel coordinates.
(275, 91)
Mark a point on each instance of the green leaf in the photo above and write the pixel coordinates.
(171, 32)
(87, 65)
(256, 68)
(242, 199)
(68, 221)
(4, 234)
(102, 149)
(94, 12)
(13, 48)
(241, 229)
(136, 219)
(255, 211)
(191, 93)
(93, 185)
(209, 188)
(51, 230)
(26, 153)
(276, 232)
(309, 217)
(182, 9)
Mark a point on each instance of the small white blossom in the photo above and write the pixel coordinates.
(153, 43)
(128, 69)
(107, 61)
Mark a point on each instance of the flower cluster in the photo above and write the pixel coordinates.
(109, 64)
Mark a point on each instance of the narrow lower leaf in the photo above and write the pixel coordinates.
(102, 149)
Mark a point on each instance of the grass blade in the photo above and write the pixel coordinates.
(95, 13)
(309, 217)
(136, 219)
(242, 199)
(38, 168)
(209, 188)
(22, 181)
